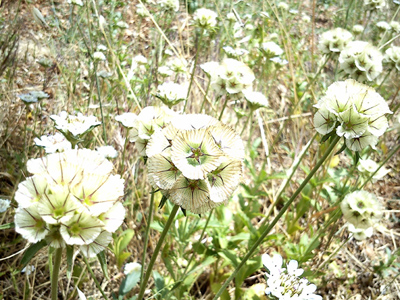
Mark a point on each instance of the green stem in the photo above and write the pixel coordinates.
(200, 239)
(333, 254)
(101, 106)
(276, 219)
(223, 107)
(205, 95)
(156, 251)
(384, 79)
(247, 122)
(146, 237)
(55, 272)
(123, 151)
(194, 68)
(94, 277)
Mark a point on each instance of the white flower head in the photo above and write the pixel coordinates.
(383, 26)
(127, 119)
(374, 4)
(355, 110)
(132, 267)
(171, 93)
(368, 166)
(392, 58)
(74, 126)
(75, 2)
(169, 4)
(395, 26)
(357, 29)
(361, 61)
(362, 209)
(99, 56)
(283, 6)
(53, 143)
(360, 233)
(4, 205)
(107, 151)
(271, 49)
(286, 283)
(334, 41)
(255, 99)
(205, 18)
(29, 269)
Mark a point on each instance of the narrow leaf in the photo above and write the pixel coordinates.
(31, 251)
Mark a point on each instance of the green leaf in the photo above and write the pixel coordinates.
(158, 281)
(31, 251)
(121, 258)
(103, 263)
(229, 256)
(7, 226)
(129, 282)
(70, 253)
(215, 288)
(124, 239)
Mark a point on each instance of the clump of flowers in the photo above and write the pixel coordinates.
(286, 283)
(353, 111)
(271, 49)
(361, 61)
(169, 5)
(392, 58)
(171, 93)
(205, 18)
(368, 166)
(231, 76)
(196, 162)
(74, 127)
(150, 120)
(53, 143)
(334, 41)
(361, 209)
(71, 199)
(374, 4)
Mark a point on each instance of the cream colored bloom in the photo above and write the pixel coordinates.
(334, 41)
(271, 49)
(374, 4)
(355, 110)
(205, 18)
(53, 143)
(255, 99)
(171, 93)
(74, 125)
(368, 166)
(362, 209)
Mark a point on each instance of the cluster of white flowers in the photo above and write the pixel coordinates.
(368, 166)
(171, 93)
(362, 210)
(75, 2)
(383, 26)
(73, 127)
(286, 283)
(53, 143)
(357, 29)
(392, 58)
(107, 151)
(395, 26)
(99, 56)
(205, 18)
(374, 4)
(141, 127)
(361, 61)
(169, 4)
(196, 162)
(235, 53)
(255, 99)
(71, 199)
(355, 111)
(231, 76)
(271, 49)
(334, 41)
(177, 65)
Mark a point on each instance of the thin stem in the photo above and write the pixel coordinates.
(205, 95)
(101, 106)
(55, 272)
(156, 251)
(223, 107)
(384, 79)
(280, 214)
(194, 68)
(146, 237)
(94, 277)
(124, 151)
(200, 239)
(247, 121)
